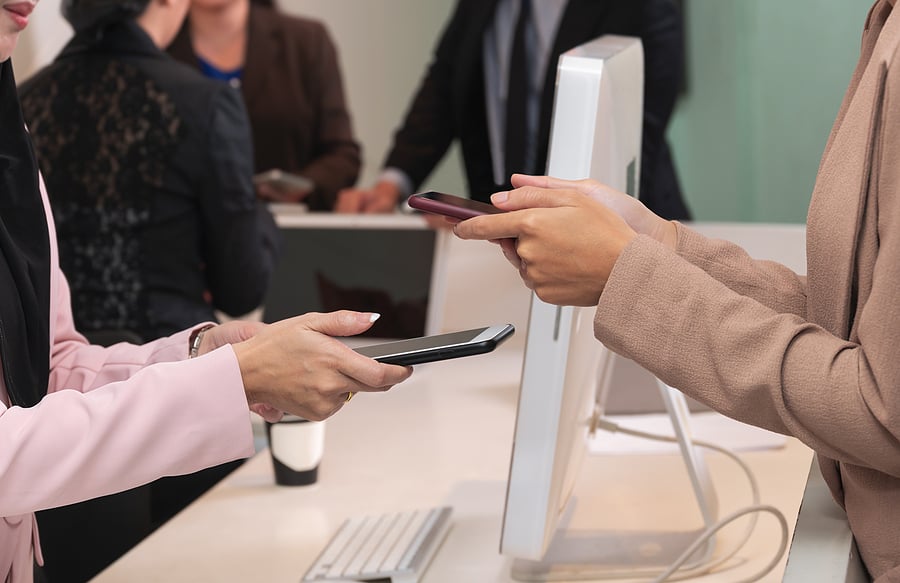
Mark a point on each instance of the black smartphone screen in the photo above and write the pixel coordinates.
(438, 347)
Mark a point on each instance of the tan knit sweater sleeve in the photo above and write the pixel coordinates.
(722, 338)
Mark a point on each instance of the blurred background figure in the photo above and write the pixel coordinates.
(148, 166)
(490, 85)
(287, 70)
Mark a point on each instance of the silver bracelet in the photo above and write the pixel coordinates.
(195, 339)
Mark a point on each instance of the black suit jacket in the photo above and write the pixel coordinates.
(148, 166)
(450, 101)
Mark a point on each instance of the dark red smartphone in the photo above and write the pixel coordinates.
(450, 205)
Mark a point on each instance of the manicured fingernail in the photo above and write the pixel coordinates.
(499, 197)
(373, 317)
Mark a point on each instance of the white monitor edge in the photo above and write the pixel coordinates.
(588, 139)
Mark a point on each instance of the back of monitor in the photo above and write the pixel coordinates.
(391, 264)
(596, 133)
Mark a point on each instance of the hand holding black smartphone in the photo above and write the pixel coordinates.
(439, 346)
(450, 205)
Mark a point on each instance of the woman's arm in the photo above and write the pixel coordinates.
(78, 443)
(746, 359)
(767, 282)
(752, 363)
(73, 446)
(119, 417)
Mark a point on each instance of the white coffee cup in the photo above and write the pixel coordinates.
(296, 445)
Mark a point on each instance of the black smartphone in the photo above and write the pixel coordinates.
(451, 205)
(439, 346)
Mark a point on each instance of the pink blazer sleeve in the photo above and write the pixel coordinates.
(119, 417)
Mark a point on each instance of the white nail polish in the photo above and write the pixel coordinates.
(373, 317)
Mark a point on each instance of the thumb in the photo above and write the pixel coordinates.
(340, 323)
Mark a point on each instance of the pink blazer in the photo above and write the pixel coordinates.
(817, 357)
(110, 422)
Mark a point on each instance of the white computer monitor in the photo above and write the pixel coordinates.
(393, 264)
(596, 133)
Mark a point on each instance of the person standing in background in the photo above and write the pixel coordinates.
(151, 190)
(288, 73)
(491, 86)
(148, 168)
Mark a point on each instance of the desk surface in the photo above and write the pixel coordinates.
(442, 437)
(425, 443)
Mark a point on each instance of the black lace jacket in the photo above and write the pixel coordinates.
(148, 166)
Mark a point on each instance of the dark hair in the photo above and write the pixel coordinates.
(268, 3)
(87, 14)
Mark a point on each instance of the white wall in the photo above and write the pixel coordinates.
(46, 34)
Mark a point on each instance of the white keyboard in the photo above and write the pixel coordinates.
(395, 547)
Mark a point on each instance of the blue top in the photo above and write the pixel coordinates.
(213, 72)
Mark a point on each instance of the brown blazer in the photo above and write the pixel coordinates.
(294, 95)
(816, 357)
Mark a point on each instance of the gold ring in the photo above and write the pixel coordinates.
(349, 396)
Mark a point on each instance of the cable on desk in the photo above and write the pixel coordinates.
(675, 572)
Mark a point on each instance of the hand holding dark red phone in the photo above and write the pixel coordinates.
(453, 207)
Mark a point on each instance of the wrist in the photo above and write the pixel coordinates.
(665, 232)
(247, 360)
(670, 235)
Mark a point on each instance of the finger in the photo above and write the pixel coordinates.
(372, 375)
(531, 197)
(584, 186)
(339, 323)
(264, 192)
(439, 222)
(349, 201)
(296, 194)
(364, 374)
(488, 227)
(508, 246)
(368, 203)
(520, 180)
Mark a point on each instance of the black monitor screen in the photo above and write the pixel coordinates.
(380, 270)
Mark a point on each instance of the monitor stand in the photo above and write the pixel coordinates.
(613, 554)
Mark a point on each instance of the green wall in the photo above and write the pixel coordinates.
(765, 79)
